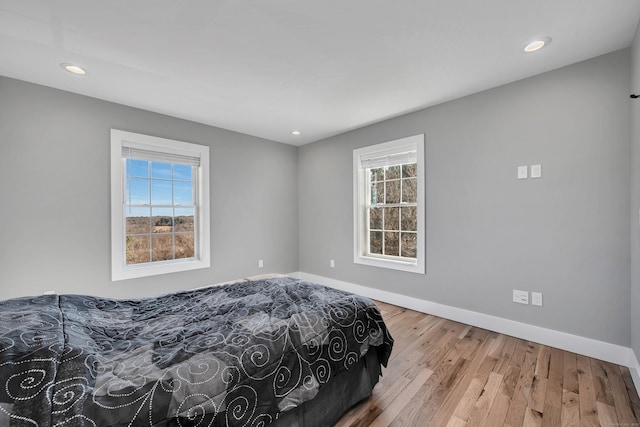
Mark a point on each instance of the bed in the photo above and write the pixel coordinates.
(277, 351)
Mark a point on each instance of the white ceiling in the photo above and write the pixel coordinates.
(267, 67)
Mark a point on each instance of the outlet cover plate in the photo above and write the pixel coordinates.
(536, 298)
(536, 171)
(521, 297)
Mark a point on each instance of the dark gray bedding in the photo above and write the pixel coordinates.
(236, 355)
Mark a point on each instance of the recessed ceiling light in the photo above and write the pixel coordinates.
(538, 44)
(75, 69)
(296, 132)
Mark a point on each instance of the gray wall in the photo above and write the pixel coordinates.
(566, 235)
(54, 215)
(635, 198)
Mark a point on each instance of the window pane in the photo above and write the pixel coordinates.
(185, 246)
(161, 192)
(375, 218)
(183, 193)
(409, 242)
(377, 193)
(139, 168)
(162, 220)
(137, 191)
(393, 192)
(138, 220)
(161, 170)
(182, 172)
(409, 170)
(391, 218)
(392, 172)
(162, 247)
(375, 242)
(391, 244)
(409, 216)
(409, 190)
(377, 174)
(183, 220)
(162, 212)
(137, 249)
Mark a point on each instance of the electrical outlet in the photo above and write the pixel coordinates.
(536, 298)
(521, 297)
(260, 263)
(332, 263)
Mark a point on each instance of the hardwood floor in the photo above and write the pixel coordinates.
(444, 373)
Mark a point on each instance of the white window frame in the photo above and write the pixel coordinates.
(361, 193)
(202, 259)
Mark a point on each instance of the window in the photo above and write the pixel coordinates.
(159, 205)
(389, 205)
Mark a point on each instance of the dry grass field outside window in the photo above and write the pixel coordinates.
(393, 215)
(159, 238)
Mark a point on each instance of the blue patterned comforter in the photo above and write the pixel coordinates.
(232, 355)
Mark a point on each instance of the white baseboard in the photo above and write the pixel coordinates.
(586, 346)
(634, 368)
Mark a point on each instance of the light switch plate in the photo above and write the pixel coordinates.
(536, 171)
(522, 172)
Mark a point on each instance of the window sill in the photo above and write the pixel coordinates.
(392, 264)
(152, 269)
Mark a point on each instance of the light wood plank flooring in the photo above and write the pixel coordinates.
(444, 373)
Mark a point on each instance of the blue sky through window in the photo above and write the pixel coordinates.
(161, 170)
(138, 168)
(158, 183)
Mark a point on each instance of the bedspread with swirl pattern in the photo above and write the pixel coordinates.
(232, 355)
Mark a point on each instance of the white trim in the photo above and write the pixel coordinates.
(202, 235)
(586, 346)
(634, 368)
